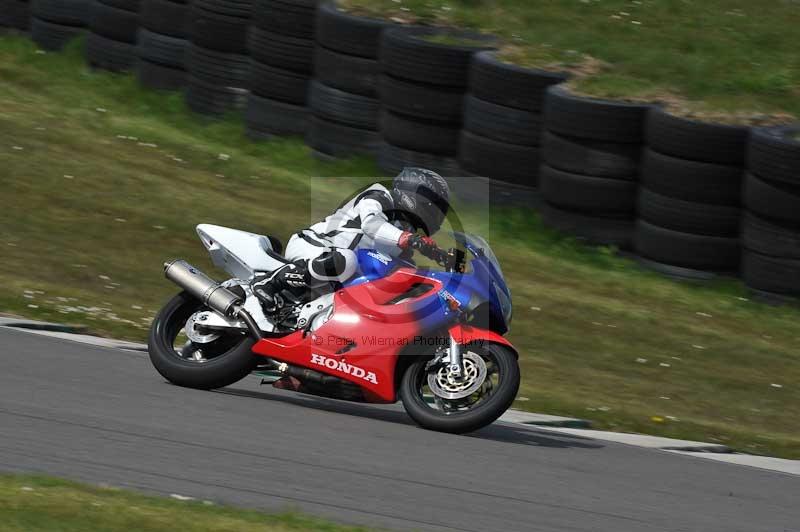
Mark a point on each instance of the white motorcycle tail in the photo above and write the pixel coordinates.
(239, 253)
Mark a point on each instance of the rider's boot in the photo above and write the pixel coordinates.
(288, 383)
(303, 277)
(293, 277)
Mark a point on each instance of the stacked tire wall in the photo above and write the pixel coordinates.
(281, 44)
(218, 66)
(503, 116)
(690, 195)
(163, 44)
(588, 179)
(422, 91)
(771, 223)
(56, 22)
(113, 26)
(344, 98)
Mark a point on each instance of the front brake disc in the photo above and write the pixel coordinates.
(444, 384)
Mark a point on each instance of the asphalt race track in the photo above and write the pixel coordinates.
(105, 416)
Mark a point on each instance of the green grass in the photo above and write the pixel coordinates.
(88, 249)
(716, 55)
(39, 504)
(453, 39)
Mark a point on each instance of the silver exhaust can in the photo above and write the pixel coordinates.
(202, 287)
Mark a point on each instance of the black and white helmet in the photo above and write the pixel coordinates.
(421, 198)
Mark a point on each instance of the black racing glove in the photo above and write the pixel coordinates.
(424, 244)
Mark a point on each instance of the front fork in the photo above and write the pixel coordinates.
(454, 358)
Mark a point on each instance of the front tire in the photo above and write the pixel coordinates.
(458, 416)
(226, 360)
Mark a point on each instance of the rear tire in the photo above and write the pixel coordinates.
(459, 422)
(234, 361)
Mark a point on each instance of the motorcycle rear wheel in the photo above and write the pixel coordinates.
(223, 361)
(470, 413)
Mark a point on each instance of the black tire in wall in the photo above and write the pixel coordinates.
(510, 85)
(15, 14)
(422, 101)
(771, 274)
(281, 51)
(127, 5)
(407, 53)
(215, 31)
(591, 157)
(498, 160)
(715, 184)
(278, 84)
(52, 36)
(338, 140)
(166, 17)
(294, 18)
(688, 216)
(498, 122)
(414, 134)
(696, 141)
(221, 68)
(774, 154)
(108, 54)
(700, 252)
(234, 8)
(776, 201)
(344, 107)
(589, 194)
(349, 34)
(160, 77)
(212, 99)
(392, 159)
(62, 12)
(162, 49)
(769, 238)
(349, 73)
(591, 229)
(265, 118)
(113, 23)
(589, 118)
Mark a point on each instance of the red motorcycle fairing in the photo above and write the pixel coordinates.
(465, 335)
(362, 340)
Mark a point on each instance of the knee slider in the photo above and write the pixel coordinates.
(334, 265)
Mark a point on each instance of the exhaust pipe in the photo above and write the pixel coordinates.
(202, 287)
(210, 292)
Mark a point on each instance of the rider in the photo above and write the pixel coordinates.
(377, 218)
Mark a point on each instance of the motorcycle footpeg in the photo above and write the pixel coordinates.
(270, 302)
(286, 295)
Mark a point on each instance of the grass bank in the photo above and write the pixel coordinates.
(42, 504)
(731, 56)
(101, 181)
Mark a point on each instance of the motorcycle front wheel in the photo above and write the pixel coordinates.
(220, 362)
(437, 401)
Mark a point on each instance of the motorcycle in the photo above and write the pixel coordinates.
(432, 339)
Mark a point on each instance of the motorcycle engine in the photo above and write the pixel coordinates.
(308, 315)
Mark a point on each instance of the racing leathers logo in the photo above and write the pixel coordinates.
(377, 255)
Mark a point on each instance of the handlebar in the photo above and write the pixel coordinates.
(452, 260)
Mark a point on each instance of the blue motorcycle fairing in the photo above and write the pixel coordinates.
(483, 285)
